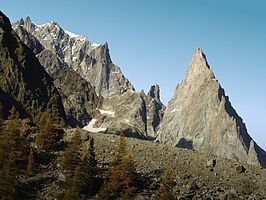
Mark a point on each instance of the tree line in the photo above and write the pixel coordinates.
(24, 147)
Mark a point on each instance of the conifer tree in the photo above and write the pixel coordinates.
(30, 166)
(166, 190)
(47, 137)
(122, 178)
(14, 151)
(87, 172)
(72, 155)
(1, 115)
(15, 144)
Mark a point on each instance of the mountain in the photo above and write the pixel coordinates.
(86, 78)
(133, 113)
(78, 95)
(91, 61)
(23, 81)
(200, 116)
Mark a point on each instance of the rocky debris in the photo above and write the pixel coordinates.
(23, 81)
(211, 163)
(201, 117)
(91, 61)
(240, 169)
(192, 179)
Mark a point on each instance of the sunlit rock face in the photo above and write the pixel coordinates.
(200, 116)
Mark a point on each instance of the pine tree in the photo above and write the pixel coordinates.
(88, 171)
(30, 166)
(122, 178)
(14, 151)
(166, 190)
(120, 151)
(47, 137)
(15, 144)
(1, 115)
(72, 155)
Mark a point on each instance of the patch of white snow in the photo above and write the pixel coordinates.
(71, 35)
(95, 45)
(90, 127)
(108, 112)
(172, 111)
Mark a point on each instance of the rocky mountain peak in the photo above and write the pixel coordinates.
(199, 68)
(154, 92)
(90, 60)
(200, 116)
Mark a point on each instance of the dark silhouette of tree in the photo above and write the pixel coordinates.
(72, 155)
(87, 172)
(30, 166)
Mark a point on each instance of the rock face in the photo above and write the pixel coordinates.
(155, 110)
(133, 113)
(91, 61)
(201, 117)
(78, 96)
(83, 72)
(23, 81)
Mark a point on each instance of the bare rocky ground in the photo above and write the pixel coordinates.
(197, 175)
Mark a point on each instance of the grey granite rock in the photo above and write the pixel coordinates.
(201, 117)
(91, 61)
(155, 110)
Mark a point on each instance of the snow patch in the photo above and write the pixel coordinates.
(108, 112)
(90, 127)
(71, 35)
(40, 26)
(172, 111)
(95, 45)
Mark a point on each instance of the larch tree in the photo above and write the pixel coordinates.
(47, 137)
(166, 189)
(122, 178)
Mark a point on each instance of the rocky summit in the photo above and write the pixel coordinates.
(90, 60)
(87, 78)
(200, 116)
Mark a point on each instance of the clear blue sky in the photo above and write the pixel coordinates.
(152, 41)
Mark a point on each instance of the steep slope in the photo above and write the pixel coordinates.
(155, 110)
(23, 81)
(64, 52)
(91, 61)
(78, 96)
(201, 117)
